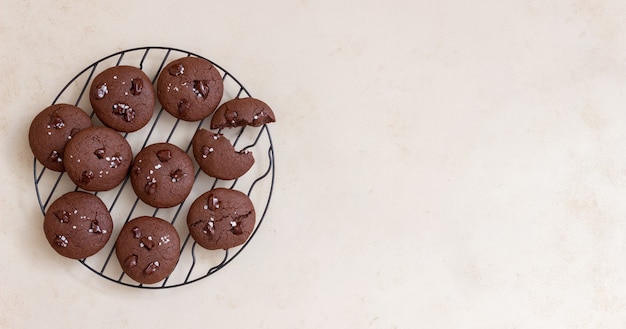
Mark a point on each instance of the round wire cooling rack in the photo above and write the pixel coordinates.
(195, 262)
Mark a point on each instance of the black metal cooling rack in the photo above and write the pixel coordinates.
(195, 262)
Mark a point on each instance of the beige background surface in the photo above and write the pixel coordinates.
(439, 164)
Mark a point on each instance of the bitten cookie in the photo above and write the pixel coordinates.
(162, 175)
(148, 249)
(97, 158)
(123, 98)
(190, 88)
(77, 225)
(221, 219)
(51, 129)
(241, 112)
(217, 156)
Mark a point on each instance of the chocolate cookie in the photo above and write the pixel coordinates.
(241, 112)
(221, 219)
(123, 98)
(97, 158)
(190, 88)
(51, 129)
(148, 249)
(217, 156)
(77, 225)
(162, 175)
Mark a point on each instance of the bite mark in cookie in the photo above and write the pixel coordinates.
(218, 158)
(241, 112)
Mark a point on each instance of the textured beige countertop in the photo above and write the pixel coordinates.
(439, 164)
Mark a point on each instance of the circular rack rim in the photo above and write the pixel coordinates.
(269, 172)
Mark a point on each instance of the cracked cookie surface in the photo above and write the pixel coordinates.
(221, 219)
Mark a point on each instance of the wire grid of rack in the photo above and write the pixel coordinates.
(195, 262)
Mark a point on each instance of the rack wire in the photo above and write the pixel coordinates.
(195, 262)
